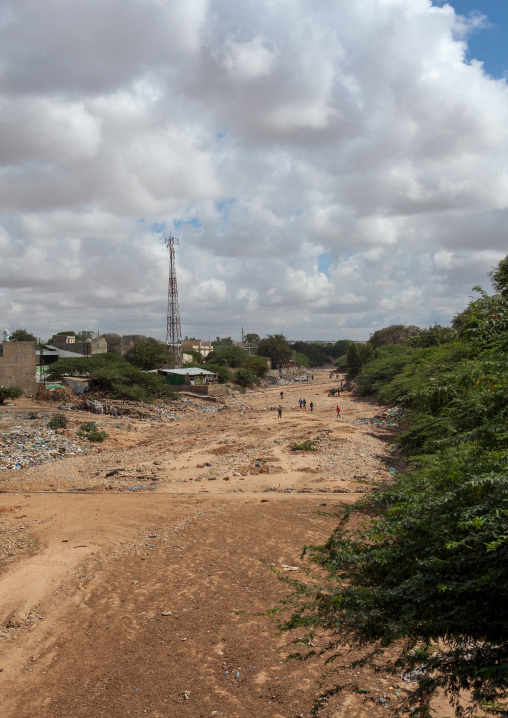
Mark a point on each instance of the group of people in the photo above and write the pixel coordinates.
(303, 402)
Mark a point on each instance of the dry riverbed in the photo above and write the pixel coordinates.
(132, 573)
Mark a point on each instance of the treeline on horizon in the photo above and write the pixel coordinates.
(415, 576)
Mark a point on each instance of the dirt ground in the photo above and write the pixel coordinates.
(135, 576)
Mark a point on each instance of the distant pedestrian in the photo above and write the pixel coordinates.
(282, 395)
(312, 377)
(305, 403)
(279, 411)
(311, 406)
(300, 401)
(338, 412)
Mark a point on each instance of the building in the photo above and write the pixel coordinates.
(17, 366)
(198, 381)
(86, 348)
(197, 345)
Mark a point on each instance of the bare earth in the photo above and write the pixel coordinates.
(138, 593)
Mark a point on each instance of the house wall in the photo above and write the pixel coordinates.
(196, 345)
(17, 366)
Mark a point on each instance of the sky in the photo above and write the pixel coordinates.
(330, 167)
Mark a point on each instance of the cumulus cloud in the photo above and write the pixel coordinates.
(330, 168)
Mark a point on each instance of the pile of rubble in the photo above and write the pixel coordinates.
(389, 417)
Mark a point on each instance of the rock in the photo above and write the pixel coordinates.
(166, 613)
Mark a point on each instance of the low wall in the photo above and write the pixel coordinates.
(210, 390)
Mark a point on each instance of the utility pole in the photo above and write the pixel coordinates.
(173, 327)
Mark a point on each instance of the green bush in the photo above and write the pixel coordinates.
(89, 431)
(10, 392)
(87, 426)
(245, 377)
(58, 421)
(307, 445)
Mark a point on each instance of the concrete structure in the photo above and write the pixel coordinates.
(199, 381)
(197, 345)
(17, 366)
(86, 348)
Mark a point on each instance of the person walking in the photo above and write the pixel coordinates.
(338, 412)
(311, 406)
(279, 411)
(305, 403)
(300, 401)
(282, 395)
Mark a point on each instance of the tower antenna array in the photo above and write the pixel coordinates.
(173, 330)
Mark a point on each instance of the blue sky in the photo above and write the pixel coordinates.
(490, 44)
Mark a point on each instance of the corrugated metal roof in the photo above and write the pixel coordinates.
(50, 350)
(191, 371)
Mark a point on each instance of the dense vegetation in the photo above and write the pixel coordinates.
(115, 376)
(149, 353)
(276, 348)
(417, 572)
(313, 352)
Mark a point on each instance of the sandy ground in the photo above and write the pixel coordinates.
(134, 577)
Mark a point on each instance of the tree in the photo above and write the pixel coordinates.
(301, 360)
(245, 377)
(314, 353)
(149, 353)
(7, 392)
(276, 348)
(226, 355)
(197, 357)
(338, 349)
(499, 277)
(432, 337)
(225, 341)
(353, 359)
(67, 334)
(357, 355)
(222, 371)
(394, 334)
(257, 365)
(21, 335)
(251, 338)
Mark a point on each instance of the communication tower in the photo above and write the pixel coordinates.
(173, 330)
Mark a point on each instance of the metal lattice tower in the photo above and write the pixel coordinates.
(173, 330)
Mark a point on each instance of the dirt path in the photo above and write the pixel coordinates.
(131, 577)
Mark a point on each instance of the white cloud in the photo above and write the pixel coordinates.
(270, 136)
(248, 60)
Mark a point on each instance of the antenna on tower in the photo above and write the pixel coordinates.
(173, 328)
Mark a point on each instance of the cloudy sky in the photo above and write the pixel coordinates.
(330, 167)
